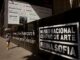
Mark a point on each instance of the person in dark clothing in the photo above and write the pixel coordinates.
(8, 39)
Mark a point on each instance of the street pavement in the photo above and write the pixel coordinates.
(18, 53)
(14, 53)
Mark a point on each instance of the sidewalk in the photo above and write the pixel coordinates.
(14, 53)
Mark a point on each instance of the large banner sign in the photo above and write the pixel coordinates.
(17, 9)
(62, 40)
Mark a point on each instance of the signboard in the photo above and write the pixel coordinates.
(18, 9)
(62, 40)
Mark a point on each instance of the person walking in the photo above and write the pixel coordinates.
(8, 36)
(8, 39)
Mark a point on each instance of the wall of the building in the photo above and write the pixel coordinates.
(60, 6)
(6, 13)
(1, 20)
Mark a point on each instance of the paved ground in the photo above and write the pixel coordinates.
(14, 53)
(19, 53)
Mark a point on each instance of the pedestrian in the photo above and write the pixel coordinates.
(8, 39)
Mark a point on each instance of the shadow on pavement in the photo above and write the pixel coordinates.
(13, 47)
(33, 57)
(37, 54)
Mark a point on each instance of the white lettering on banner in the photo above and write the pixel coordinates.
(66, 34)
(56, 36)
(63, 49)
(60, 39)
(62, 30)
(65, 37)
(59, 48)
